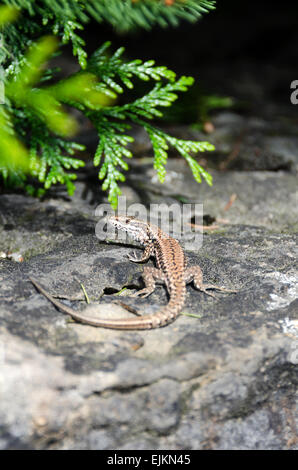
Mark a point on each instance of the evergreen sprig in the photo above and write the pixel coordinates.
(111, 68)
(66, 17)
(34, 125)
(160, 143)
(132, 14)
(112, 146)
(112, 134)
(50, 156)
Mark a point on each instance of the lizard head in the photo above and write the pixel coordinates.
(137, 229)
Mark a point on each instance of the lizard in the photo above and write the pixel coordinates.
(171, 269)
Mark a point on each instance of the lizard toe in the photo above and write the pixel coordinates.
(142, 293)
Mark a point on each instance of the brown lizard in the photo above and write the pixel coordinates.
(170, 269)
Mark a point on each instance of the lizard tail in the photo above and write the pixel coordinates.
(161, 318)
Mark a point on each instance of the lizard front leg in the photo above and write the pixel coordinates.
(194, 274)
(150, 276)
(148, 251)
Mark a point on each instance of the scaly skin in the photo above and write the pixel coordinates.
(170, 270)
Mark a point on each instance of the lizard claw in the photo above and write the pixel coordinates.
(133, 257)
(221, 289)
(208, 293)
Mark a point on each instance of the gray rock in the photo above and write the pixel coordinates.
(224, 379)
(254, 432)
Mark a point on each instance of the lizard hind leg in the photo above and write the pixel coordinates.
(150, 276)
(194, 274)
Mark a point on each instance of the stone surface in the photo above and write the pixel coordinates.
(226, 378)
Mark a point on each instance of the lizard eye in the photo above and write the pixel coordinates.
(129, 219)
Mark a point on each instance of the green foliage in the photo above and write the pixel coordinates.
(12, 150)
(65, 18)
(7, 14)
(34, 125)
(111, 68)
(51, 164)
(38, 116)
(125, 16)
(21, 90)
(113, 140)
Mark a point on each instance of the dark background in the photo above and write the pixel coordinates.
(244, 49)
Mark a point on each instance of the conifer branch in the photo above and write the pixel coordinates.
(33, 120)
